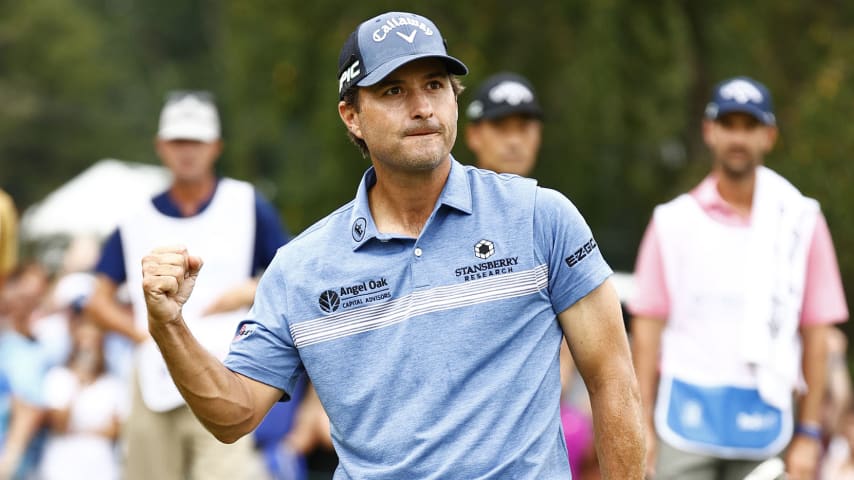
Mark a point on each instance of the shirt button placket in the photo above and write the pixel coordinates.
(419, 279)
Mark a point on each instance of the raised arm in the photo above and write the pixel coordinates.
(228, 404)
(594, 330)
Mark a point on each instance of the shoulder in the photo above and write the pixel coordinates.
(332, 229)
(681, 203)
(499, 190)
(488, 177)
(232, 186)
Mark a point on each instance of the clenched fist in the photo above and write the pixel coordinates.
(168, 277)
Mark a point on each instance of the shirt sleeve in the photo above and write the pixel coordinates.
(112, 261)
(651, 298)
(27, 378)
(564, 241)
(263, 348)
(269, 233)
(824, 298)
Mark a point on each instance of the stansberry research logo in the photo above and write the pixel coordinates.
(484, 249)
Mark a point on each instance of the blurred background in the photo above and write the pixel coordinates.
(623, 82)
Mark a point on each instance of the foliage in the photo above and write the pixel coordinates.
(623, 82)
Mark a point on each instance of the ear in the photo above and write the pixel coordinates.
(159, 145)
(708, 131)
(350, 117)
(218, 145)
(771, 134)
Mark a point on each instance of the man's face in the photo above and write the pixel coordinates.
(20, 296)
(738, 142)
(189, 160)
(506, 145)
(409, 119)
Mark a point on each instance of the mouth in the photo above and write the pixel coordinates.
(421, 131)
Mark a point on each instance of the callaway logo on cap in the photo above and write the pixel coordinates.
(384, 43)
(741, 94)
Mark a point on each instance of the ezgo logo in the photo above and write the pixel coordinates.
(329, 301)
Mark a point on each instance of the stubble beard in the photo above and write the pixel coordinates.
(738, 169)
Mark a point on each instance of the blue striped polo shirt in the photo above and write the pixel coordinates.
(434, 357)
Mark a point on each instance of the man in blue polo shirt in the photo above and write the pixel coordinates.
(240, 231)
(429, 311)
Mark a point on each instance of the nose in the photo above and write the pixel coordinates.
(738, 135)
(420, 104)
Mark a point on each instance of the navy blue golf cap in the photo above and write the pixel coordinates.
(742, 94)
(502, 95)
(386, 42)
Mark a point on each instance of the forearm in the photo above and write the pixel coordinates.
(814, 366)
(25, 422)
(646, 351)
(217, 396)
(618, 426)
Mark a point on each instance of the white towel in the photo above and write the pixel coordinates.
(781, 230)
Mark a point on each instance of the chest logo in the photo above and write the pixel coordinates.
(484, 249)
(329, 301)
(359, 227)
(354, 295)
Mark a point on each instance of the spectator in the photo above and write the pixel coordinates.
(22, 369)
(8, 236)
(737, 285)
(240, 232)
(85, 408)
(504, 132)
(505, 124)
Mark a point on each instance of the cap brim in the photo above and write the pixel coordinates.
(188, 132)
(747, 108)
(501, 111)
(454, 66)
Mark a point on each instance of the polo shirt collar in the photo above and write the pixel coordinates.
(710, 200)
(456, 194)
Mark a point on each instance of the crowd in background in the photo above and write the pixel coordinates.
(65, 381)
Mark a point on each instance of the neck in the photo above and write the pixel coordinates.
(737, 190)
(189, 195)
(401, 202)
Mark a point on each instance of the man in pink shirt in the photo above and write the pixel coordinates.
(737, 286)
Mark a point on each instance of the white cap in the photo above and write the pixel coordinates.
(189, 116)
(73, 289)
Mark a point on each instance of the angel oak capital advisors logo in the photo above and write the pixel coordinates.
(357, 294)
(329, 301)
